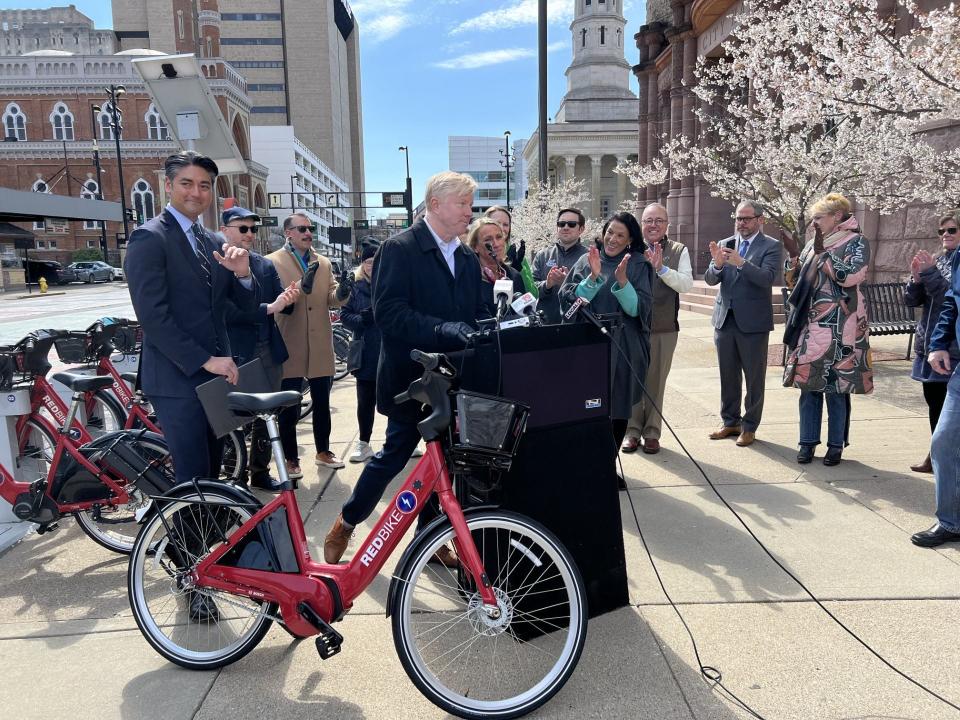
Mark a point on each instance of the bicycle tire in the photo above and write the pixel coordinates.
(477, 667)
(36, 446)
(106, 416)
(341, 350)
(115, 527)
(306, 402)
(160, 599)
(233, 461)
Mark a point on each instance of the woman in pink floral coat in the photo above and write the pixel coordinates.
(831, 359)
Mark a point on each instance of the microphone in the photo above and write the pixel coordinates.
(575, 308)
(502, 292)
(582, 307)
(525, 304)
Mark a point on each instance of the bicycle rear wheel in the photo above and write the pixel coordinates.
(475, 666)
(104, 414)
(115, 527)
(341, 350)
(233, 463)
(37, 446)
(161, 593)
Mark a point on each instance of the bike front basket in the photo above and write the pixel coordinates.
(489, 424)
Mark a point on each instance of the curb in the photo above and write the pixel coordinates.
(38, 295)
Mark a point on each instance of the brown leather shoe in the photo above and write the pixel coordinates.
(336, 541)
(630, 444)
(925, 467)
(725, 431)
(746, 438)
(651, 446)
(446, 557)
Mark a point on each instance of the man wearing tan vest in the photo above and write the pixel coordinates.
(309, 339)
(671, 262)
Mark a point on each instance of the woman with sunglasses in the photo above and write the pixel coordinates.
(830, 359)
(929, 281)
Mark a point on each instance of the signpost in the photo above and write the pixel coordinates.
(270, 221)
(275, 201)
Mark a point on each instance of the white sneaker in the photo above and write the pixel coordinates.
(363, 452)
(418, 450)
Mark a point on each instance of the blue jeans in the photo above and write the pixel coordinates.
(945, 455)
(838, 418)
(401, 441)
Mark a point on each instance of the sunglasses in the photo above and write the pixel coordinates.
(244, 229)
(744, 218)
(304, 228)
(951, 231)
(568, 223)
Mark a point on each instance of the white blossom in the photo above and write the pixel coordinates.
(535, 217)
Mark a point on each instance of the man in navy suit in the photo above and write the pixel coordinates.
(179, 283)
(254, 334)
(427, 295)
(745, 266)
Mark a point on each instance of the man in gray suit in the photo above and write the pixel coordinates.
(745, 266)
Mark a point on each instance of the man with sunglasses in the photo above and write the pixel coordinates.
(551, 264)
(253, 332)
(308, 335)
(745, 266)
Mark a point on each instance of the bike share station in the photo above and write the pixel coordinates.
(21, 206)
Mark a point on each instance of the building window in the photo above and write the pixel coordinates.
(92, 244)
(62, 121)
(105, 120)
(250, 16)
(53, 244)
(265, 87)
(180, 23)
(15, 122)
(251, 41)
(90, 191)
(156, 128)
(583, 38)
(269, 109)
(142, 197)
(603, 33)
(257, 63)
(619, 37)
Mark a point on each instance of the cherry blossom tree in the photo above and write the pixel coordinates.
(816, 96)
(535, 217)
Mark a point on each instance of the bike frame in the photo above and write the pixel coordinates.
(131, 405)
(43, 396)
(312, 583)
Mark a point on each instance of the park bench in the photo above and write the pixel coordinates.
(887, 310)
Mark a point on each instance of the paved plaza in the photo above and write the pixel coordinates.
(71, 648)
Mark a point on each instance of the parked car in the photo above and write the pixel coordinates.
(52, 271)
(117, 273)
(90, 271)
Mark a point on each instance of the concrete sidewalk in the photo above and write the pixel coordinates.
(70, 647)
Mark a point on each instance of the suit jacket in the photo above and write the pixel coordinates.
(182, 318)
(413, 292)
(306, 328)
(244, 326)
(747, 291)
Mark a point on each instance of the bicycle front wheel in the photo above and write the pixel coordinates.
(475, 666)
(195, 627)
(233, 462)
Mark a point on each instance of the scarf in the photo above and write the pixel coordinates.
(491, 275)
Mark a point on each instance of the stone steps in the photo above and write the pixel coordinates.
(701, 298)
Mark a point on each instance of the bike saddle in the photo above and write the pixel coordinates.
(262, 402)
(130, 377)
(82, 383)
(306, 285)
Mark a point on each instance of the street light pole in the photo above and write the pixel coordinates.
(114, 92)
(507, 162)
(94, 111)
(293, 195)
(408, 195)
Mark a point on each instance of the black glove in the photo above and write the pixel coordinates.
(517, 262)
(456, 333)
(366, 317)
(345, 286)
(306, 284)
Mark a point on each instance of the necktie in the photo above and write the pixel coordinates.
(744, 246)
(199, 236)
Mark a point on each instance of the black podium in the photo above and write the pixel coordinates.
(564, 473)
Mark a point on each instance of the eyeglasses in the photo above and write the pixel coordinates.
(304, 228)
(950, 231)
(244, 229)
(655, 221)
(568, 223)
(744, 218)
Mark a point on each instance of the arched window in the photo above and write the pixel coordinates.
(603, 34)
(40, 186)
(14, 122)
(619, 37)
(583, 38)
(90, 191)
(142, 197)
(62, 121)
(156, 127)
(105, 121)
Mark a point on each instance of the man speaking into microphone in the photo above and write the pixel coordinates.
(427, 295)
(617, 279)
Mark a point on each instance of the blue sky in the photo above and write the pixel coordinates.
(433, 68)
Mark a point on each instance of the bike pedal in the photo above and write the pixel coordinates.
(329, 641)
(48, 528)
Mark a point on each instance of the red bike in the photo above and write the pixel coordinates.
(495, 637)
(104, 482)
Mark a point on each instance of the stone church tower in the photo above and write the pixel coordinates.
(596, 124)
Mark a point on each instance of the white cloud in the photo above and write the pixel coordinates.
(523, 12)
(385, 26)
(469, 61)
(381, 19)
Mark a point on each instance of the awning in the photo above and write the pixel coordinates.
(23, 205)
(10, 232)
